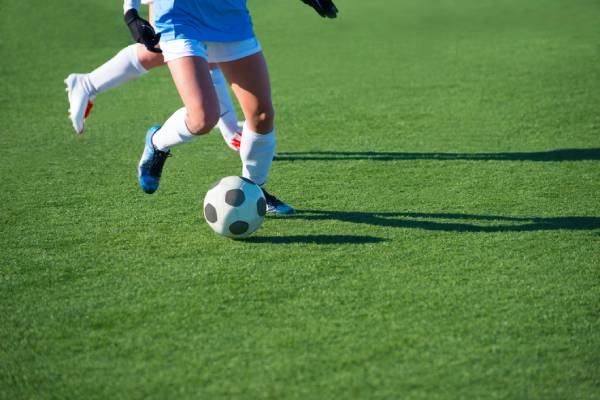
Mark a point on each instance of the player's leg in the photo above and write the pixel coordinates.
(198, 116)
(130, 63)
(249, 78)
(228, 122)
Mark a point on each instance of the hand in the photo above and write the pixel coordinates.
(325, 8)
(141, 31)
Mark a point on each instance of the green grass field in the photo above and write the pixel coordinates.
(444, 154)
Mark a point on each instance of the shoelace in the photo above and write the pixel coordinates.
(158, 161)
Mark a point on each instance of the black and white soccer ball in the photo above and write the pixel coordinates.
(235, 207)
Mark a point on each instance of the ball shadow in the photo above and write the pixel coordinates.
(315, 239)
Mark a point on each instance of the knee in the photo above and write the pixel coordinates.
(262, 118)
(200, 123)
(149, 59)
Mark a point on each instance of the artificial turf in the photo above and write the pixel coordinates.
(445, 160)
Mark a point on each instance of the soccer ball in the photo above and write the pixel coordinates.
(235, 207)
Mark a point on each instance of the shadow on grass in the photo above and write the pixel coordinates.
(551, 155)
(315, 239)
(453, 222)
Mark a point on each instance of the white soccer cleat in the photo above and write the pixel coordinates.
(232, 140)
(235, 142)
(80, 102)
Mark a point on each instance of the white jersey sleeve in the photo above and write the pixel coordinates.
(129, 4)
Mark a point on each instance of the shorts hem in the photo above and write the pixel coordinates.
(172, 57)
(238, 56)
(214, 52)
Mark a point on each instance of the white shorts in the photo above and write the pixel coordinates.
(214, 52)
(147, 1)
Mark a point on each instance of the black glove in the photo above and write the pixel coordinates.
(142, 31)
(325, 8)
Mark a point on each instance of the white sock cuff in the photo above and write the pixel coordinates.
(173, 132)
(132, 53)
(182, 128)
(257, 137)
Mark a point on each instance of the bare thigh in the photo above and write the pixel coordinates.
(192, 79)
(249, 79)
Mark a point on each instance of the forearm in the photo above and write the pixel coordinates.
(129, 4)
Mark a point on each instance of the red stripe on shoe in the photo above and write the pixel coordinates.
(88, 109)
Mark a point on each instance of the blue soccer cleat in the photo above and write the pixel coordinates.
(151, 164)
(276, 206)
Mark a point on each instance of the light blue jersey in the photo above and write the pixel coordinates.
(203, 20)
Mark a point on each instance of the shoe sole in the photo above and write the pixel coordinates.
(147, 142)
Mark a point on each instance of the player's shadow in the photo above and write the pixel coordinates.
(453, 222)
(542, 156)
(315, 239)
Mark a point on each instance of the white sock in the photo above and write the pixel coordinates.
(256, 152)
(173, 132)
(120, 69)
(228, 122)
